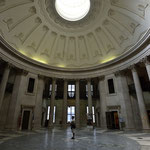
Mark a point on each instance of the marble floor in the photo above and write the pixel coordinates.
(86, 139)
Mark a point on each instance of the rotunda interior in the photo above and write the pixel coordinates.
(81, 58)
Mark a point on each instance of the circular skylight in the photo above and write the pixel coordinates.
(72, 10)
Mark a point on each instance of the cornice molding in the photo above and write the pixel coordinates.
(109, 31)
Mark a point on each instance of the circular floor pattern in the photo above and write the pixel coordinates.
(61, 140)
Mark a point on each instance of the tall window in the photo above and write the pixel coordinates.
(87, 90)
(93, 113)
(111, 87)
(71, 90)
(50, 89)
(70, 113)
(48, 113)
(31, 85)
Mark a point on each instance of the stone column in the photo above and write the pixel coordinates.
(4, 84)
(103, 105)
(125, 101)
(77, 116)
(140, 98)
(89, 97)
(136, 113)
(147, 64)
(64, 113)
(38, 103)
(52, 100)
(14, 106)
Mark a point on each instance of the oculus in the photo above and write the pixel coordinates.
(72, 10)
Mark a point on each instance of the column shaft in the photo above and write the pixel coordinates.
(52, 100)
(3, 84)
(103, 106)
(142, 108)
(64, 113)
(38, 104)
(125, 101)
(89, 98)
(77, 104)
(14, 106)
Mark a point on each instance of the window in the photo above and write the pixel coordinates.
(87, 90)
(70, 113)
(71, 90)
(9, 87)
(93, 113)
(111, 87)
(31, 85)
(48, 113)
(50, 89)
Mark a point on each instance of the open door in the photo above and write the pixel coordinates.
(112, 120)
(116, 120)
(25, 121)
(109, 120)
(148, 115)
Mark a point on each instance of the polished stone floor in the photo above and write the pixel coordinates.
(86, 139)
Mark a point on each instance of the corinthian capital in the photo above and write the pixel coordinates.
(146, 61)
(120, 72)
(101, 78)
(132, 68)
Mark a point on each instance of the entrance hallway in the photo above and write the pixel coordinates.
(86, 139)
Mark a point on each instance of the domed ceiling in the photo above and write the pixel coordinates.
(110, 29)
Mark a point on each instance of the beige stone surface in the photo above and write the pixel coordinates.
(110, 30)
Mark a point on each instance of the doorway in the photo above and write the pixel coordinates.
(112, 120)
(148, 112)
(98, 119)
(25, 121)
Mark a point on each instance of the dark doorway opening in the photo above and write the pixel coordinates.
(112, 120)
(25, 122)
(148, 115)
(43, 119)
(98, 119)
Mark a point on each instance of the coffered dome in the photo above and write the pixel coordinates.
(72, 10)
(109, 30)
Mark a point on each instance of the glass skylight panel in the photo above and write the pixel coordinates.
(72, 10)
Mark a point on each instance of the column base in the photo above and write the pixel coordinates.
(64, 126)
(104, 127)
(147, 127)
(146, 130)
(50, 127)
(78, 126)
(35, 128)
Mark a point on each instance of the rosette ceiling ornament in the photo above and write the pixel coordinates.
(108, 30)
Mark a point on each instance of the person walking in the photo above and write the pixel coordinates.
(73, 126)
